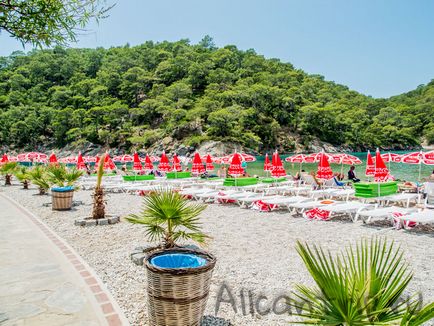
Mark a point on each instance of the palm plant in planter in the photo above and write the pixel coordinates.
(98, 211)
(363, 285)
(22, 174)
(64, 179)
(178, 277)
(8, 169)
(38, 176)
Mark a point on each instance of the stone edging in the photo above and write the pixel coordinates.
(109, 307)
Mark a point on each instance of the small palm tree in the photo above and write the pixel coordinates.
(38, 177)
(59, 175)
(362, 285)
(98, 196)
(169, 217)
(8, 169)
(22, 174)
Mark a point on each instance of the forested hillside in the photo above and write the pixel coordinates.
(136, 96)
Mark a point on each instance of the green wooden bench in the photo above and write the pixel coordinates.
(178, 175)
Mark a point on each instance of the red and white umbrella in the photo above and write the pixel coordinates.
(428, 158)
(52, 159)
(123, 159)
(148, 163)
(277, 169)
(347, 159)
(235, 169)
(267, 165)
(241, 156)
(391, 157)
(370, 166)
(324, 170)
(68, 160)
(176, 163)
(108, 162)
(381, 173)
(32, 157)
(137, 165)
(208, 163)
(81, 164)
(418, 158)
(197, 165)
(4, 159)
(152, 158)
(90, 159)
(298, 158)
(164, 165)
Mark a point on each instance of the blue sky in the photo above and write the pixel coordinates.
(380, 48)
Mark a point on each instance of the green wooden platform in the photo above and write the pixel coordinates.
(178, 175)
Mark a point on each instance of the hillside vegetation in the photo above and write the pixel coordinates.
(133, 97)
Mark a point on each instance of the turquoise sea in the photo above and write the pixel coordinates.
(401, 171)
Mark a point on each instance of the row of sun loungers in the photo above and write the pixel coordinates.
(297, 199)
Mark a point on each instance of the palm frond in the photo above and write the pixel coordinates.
(169, 217)
(363, 285)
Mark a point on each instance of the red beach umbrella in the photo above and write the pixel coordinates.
(68, 160)
(324, 170)
(164, 165)
(32, 157)
(176, 163)
(381, 172)
(90, 159)
(197, 165)
(391, 157)
(277, 169)
(370, 167)
(108, 162)
(412, 158)
(209, 166)
(298, 158)
(4, 159)
(80, 162)
(235, 168)
(52, 159)
(428, 158)
(137, 165)
(123, 158)
(148, 163)
(242, 157)
(267, 165)
(312, 158)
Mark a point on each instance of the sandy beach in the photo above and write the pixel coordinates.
(255, 251)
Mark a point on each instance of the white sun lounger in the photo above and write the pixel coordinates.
(423, 217)
(250, 199)
(406, 198)
(322, 193)
(342, 193)
(284, 201)
(350, 208)
(381, 213)
(300, 207)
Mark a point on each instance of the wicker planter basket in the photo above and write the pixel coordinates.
(178, 296)
(61, 200)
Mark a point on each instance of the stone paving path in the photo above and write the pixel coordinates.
(43, 281)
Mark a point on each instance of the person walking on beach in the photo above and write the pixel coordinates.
(352, 174)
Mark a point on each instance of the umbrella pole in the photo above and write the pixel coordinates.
(420, 170)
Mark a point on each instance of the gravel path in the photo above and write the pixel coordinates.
(255, 251)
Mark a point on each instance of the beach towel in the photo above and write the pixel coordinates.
(259, 205)
(406, 224)
(317, 214)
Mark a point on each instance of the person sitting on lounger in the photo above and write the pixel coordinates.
(352, 174)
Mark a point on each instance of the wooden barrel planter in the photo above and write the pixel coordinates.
(61, 198)
(178, 286)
